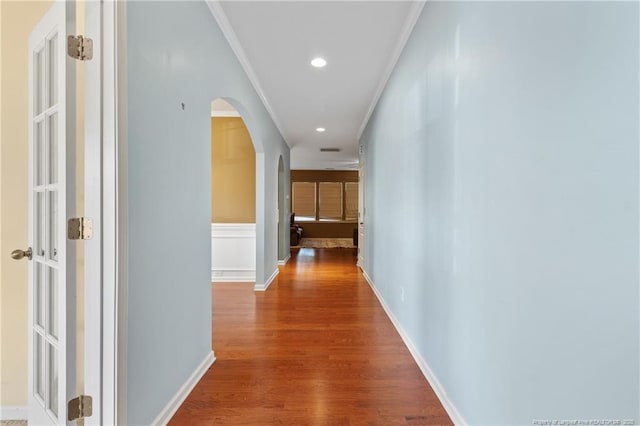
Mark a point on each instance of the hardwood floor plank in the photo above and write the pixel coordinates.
(315, 349)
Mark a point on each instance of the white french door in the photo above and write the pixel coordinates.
(51, 186)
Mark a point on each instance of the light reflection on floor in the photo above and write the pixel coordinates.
(309, 252)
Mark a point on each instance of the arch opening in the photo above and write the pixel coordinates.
(234, 205)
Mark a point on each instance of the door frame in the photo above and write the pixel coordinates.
(105, 204)
(362, 177)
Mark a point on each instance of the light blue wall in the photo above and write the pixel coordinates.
(502, 195)
(177, 54)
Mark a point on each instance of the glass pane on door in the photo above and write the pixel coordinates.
(52, 70)
(38, 82)
(39, 153)
(52, 302)
(52, 379)
(53, 148)
(38, 361)
(39, 224)
(52, 216)
(38, 296)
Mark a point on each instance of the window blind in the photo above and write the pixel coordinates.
(304, 201)
(330, 201)
(351, 201)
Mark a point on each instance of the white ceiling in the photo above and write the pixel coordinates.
(275, 42)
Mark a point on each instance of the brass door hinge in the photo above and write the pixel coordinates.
(80, 407)
(80, 48)
(79, 228)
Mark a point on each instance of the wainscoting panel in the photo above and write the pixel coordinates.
(8, 413)
(233, 252)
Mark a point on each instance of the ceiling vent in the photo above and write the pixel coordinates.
(329, 149)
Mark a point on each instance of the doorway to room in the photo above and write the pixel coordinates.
(233, 196)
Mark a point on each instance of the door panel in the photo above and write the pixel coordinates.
(52, 307)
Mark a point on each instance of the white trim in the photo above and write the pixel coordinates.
(409, 23)
(233, 230)
(233, 236)
(225, 114)
(105, 304)
(437, 387)
(234, 43)
(172, 406)
(93, 175)
(265, 286)
(14, 412)
(105, 83)
(120, 308)
(227, 275)
(285, 260)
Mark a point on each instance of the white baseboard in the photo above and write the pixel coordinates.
(440, 392)
(233, 275)
(265, 286)
(170, 409)
(285, 260)
(14, 412)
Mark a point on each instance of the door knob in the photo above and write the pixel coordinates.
(19, 254)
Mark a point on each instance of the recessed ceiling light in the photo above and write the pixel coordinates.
(320, 129)
(318, 62)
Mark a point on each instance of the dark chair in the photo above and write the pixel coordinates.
(295, 231)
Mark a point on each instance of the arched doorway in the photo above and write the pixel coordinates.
(233, 196)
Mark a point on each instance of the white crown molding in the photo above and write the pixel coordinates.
(230, 35)
(409, 23)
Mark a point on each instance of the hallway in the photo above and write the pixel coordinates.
(316, 348)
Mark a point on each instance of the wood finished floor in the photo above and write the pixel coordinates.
(315, 349)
